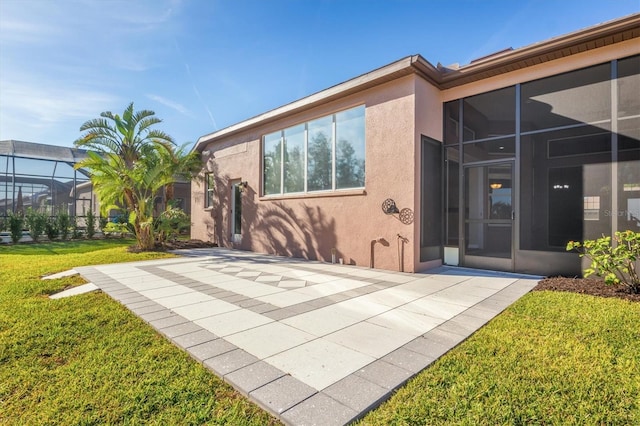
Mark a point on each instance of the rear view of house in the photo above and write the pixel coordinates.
(496, 164)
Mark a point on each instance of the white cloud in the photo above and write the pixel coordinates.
(166, 102)
(22, 32)
(31, 109)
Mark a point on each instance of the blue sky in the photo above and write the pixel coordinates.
(202, 65)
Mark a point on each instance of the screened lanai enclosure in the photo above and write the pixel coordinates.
(42, 177)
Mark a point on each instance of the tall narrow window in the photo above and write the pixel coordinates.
(294, 159)
(350, 148)
(320, 147)
(236, 214)
(210, 185)
(272, 163)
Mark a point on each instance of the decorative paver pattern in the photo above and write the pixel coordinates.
(312, 343)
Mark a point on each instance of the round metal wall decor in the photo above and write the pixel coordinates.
(389, 206)
(406, 216)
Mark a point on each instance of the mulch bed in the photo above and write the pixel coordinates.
(176, 245)
(591, 286)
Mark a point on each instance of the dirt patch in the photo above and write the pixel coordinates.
(594, 287)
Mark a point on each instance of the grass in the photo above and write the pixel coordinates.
(552, 358)
(88, 360)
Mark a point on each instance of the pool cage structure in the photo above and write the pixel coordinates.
(42, 177)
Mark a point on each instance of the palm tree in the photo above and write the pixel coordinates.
(179, 163)
(124, 136)
(125, 169)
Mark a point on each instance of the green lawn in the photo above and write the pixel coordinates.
(88, 360)
(554, 358)
(551, 358)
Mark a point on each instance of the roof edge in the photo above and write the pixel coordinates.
(441, 77)
(506, 57)
(404, 66)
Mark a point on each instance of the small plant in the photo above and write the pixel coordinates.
(114, 228)
(170, 223)
(64, 223)
(91, 224)
(16, 223)
(616, 264)
(51, 228)
(76, 232)
(36, 223)
(102, 222)
(3, 226)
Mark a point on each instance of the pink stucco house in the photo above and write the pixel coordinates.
(495, 164)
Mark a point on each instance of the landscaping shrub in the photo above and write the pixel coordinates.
(51, 228)
(91, 224)
(16, 223)
(170, 223)
(64, 223)
(102, 222)
(114, 228)
(615, 263)
(3, 226)
(36, 223)
(76, 232)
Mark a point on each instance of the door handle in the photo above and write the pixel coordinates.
(513, 215)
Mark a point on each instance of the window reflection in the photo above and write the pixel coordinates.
(330, 164)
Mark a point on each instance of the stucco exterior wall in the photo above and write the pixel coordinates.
(310, 225)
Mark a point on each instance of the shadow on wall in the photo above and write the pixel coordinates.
(213, 218)
(274, 227)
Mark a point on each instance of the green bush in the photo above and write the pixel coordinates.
(51, 228)
(170, 223)
(16, 223)
(615, 263)
(76, 232)
(91, 224)
(64, 223)
(102, 222)
(115, 228)
(36, 223)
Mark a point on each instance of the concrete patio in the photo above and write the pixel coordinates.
(310, 342)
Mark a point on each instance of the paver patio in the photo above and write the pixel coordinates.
(313, 343)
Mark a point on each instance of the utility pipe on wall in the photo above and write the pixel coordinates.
(401, 242)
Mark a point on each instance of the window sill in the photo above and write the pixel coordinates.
(319, 194)
(208, 209)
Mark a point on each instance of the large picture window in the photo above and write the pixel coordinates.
(321, 155)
